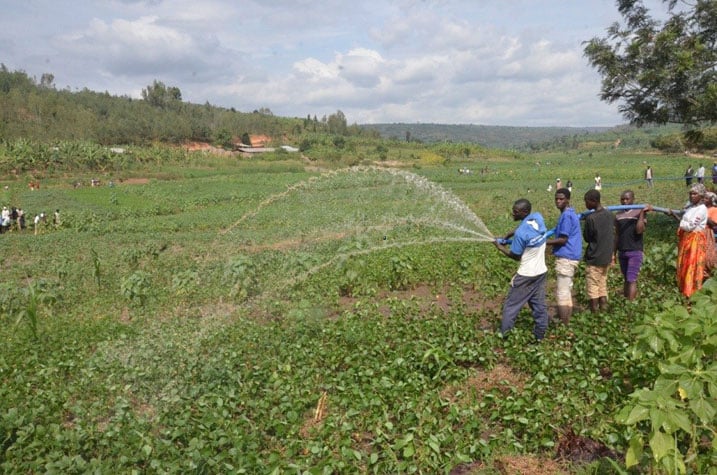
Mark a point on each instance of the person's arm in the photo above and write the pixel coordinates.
(506, 251)
(616, 241)
(641, 222)
(675, 215)
(559, 241)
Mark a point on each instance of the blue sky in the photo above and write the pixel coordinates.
(488, 62)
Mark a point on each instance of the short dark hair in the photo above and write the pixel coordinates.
(592, 195)
(523, 204)
(563, 191)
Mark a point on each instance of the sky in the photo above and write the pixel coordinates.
(483, 62)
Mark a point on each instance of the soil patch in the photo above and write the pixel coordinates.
(513, 465)
(135, 181)
(501, 377)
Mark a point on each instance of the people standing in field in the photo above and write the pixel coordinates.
(648, 176)
(701, 174)
(692, 245)
(598, 182)
(629, 229)
(528, 284)
(689, 174)
(568, 250)
(558, 184)
(569, 186)
(714, 173)
(599, 233)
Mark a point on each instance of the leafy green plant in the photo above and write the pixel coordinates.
(241, 275)
(183, 282)
(136, 287)
(400, 268)
(96, 268)
(36, 295)
(676, 416)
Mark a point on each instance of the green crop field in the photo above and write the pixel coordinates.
(257, 316)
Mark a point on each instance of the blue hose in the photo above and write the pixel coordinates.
(627, 207)
(584, 214)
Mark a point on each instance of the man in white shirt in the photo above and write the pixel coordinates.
(528, 283)
(701, 174)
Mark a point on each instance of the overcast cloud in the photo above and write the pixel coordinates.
(488, 62)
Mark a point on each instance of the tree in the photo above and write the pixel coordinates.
(47, 80)
(337, 123)
(661, 72)
(159, 95)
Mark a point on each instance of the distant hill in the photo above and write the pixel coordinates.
(503, 137)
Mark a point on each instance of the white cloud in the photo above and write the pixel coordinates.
(457, 61)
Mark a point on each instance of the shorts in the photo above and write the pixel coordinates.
(565, 271)
(596, 278)
(630, 263)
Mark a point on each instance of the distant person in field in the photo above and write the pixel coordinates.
(558, 184)
(56, 221)
(38, 221)
(5, 219)
(569, 186)
(598, 182)
(630, 226)
(714, 173)
(648, 176)
(20, 222)
(701, 174)
(568, 250)
(599, 233)
(693, 245)
(689, 174)
(528, 284)
(711, 204)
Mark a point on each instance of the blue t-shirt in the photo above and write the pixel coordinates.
(569, 226)
(530, 233)
(529, 243)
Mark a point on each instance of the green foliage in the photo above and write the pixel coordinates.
(223, 138)
(136, 287)
(33, 298)
(240, 274)
(272, 288)
(96, 268)
(668, 143)
(675, 417)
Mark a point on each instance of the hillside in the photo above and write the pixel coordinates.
(524, 138)
(503, 137)
(36, 111)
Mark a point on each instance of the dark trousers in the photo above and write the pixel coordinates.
(530, 290)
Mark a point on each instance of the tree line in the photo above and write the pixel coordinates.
(35, 110)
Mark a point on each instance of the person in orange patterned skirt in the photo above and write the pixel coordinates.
(693, 246)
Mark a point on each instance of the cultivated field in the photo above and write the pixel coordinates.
(260, 317)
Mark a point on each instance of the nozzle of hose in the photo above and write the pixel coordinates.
(501, 241)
